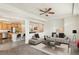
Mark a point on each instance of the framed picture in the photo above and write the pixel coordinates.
(36, 27)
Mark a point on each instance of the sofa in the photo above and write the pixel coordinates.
(57, 40)
(36, 39)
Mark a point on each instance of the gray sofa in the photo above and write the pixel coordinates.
(36, 40)
(65, 40)
(52, 41)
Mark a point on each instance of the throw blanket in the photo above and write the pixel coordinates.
(77, 43)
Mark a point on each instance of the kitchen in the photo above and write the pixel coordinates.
(11, 31)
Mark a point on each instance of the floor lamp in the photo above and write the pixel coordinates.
(74, 34)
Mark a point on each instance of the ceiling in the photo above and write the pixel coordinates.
(31, 10)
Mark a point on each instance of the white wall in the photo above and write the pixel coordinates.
(29, 36)
(71, 23)
(47, 27)
(54, 24)
(41, 33)
(50, 26)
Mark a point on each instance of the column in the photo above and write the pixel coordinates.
(26, 30)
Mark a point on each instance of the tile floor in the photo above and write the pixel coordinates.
(9, 45)
(19, 48)
(40, 49)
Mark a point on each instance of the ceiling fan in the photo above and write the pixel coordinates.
(46, 11)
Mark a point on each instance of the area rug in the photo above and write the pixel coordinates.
(59, 50)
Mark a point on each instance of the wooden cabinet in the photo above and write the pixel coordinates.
(7, 26)
(4, 26)
(0, 25)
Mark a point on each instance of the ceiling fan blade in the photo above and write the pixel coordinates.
(42, 13)
(46, 15)
(51, 12)
(49, 9)
(42, 10)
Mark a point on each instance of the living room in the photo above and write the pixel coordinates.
(47, 28)
(57, 24)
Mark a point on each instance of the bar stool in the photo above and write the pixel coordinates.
(23, 37)
(18, 36)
